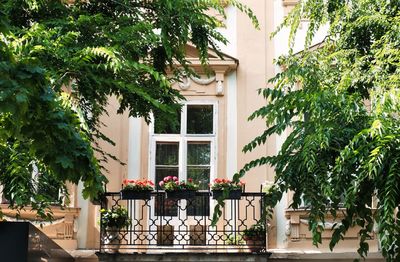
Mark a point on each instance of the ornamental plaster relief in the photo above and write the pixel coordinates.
(213, 84)
(203, 85)
(297, 227)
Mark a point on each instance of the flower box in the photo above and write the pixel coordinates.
(137, 189)
(220, 184)
(179, 189)
(181, 194)
(233, 194)
(130, 194)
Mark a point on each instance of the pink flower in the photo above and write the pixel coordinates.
(165, 179)
(190, 180)
(169, 177)
(161, 184)
(175, 178)
(177, 183)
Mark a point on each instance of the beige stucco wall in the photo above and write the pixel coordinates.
(116, 128)
(255, 52)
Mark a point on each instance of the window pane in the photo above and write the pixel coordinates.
(167, 153)
(168, 126)
(200, 175)
(199, 119)
(198, 153)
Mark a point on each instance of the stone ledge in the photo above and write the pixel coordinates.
(289, 2)
(29, 214)
(178, 257)
(299, 256)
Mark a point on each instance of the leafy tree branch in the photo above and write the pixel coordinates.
(341, 102)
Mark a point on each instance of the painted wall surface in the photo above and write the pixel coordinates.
(116, 127)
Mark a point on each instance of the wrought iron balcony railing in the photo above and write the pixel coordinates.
(162, 224)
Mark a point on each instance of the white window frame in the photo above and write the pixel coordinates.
(183, 138)
(1, 195)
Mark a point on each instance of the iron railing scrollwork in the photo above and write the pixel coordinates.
(162, 224)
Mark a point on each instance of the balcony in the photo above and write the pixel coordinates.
(161, 225)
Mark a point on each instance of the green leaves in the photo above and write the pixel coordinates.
(90, 50)
(341, 103)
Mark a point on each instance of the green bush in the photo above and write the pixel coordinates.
(255, 230)
(116, 217)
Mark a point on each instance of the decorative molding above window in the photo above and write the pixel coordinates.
(185, 82)
(210, 82)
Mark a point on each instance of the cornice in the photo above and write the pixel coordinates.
(289, 2)
(29, 214)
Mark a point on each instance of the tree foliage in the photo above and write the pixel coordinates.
(60, 62)
(341, 103)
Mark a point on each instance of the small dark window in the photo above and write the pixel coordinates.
(168, 126)
(199, 119)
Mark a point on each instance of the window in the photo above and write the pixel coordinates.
(46, 185)
(3, 199)
(186, 150)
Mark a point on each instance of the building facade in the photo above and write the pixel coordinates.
(208, 142)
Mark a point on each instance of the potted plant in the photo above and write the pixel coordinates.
(255, 237)
(112, 221)
(235, 240)
(227, 188)
(136, 189)
(178, 189)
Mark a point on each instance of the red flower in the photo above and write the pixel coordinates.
(132, 184)
(221, 183)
